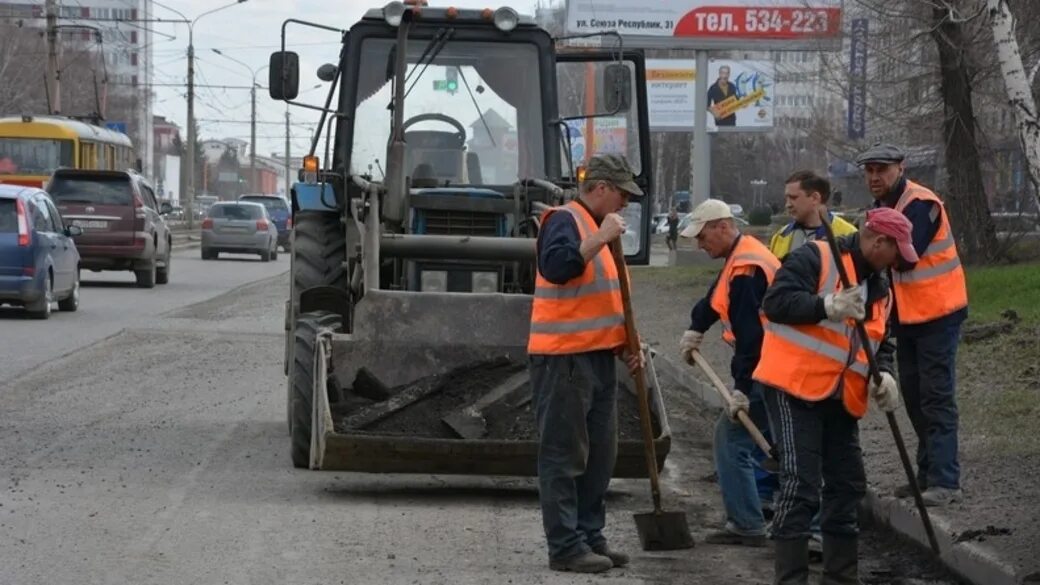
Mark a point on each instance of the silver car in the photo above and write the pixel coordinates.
(239, 227)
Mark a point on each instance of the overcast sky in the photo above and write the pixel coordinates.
(249, 32)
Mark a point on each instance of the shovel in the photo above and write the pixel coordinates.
(658, 530)
(768, 464)
(875, 374)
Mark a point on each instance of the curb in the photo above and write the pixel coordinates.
(967, 560)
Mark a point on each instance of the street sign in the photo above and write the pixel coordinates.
(117, 126)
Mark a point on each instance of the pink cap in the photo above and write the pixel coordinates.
(889, 222)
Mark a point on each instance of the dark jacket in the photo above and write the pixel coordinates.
(792, 298)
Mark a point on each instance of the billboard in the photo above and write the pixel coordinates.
(609, 136)
(740, 96)
(712, 23)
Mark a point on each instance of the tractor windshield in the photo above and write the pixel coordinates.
(473, 116)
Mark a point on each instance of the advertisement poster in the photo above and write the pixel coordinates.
(609, 136)
(718, 20)
(741, 95)
(670, 86)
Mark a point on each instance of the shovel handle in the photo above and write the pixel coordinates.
(638, 375)
(720, 387)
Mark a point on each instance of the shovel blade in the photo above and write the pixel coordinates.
(663, 530)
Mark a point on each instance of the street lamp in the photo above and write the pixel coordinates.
(189, 204)
(252, 119)
(759, 186)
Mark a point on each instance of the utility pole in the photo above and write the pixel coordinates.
(53, 76)
(189, 205)
(252, 141)
(288, 179)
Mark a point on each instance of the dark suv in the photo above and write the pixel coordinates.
(122, 222)
(278, 209)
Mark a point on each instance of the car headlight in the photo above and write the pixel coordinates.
(506, 19)
(433, 281)
(485, 282)
(393, 13)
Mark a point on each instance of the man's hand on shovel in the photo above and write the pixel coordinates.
(737, 403)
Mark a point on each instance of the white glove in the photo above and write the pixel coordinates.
(885, 394)
(690, 342)
(738, 403)
(847, 303)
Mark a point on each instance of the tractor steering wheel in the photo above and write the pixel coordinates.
(460, 133)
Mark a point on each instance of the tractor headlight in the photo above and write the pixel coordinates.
(434, 281)
(485, 282)
(506, 19)
(393, 13)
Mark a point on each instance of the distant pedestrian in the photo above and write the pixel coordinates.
(673, 230)
(931, 303)
(813, 374)
(734, 299)
(577, 333)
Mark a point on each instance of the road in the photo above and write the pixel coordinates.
(144, 442)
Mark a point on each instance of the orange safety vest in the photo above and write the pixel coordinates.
(586, 313)
(811, 362)
(936, 286)
(747, 255)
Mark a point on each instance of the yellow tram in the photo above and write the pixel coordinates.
(32, 147)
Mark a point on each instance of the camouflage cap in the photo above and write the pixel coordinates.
(615, 169)
(881, 153)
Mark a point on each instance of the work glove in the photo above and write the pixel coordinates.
(690, 342)
(738, 402)
(885, 394)
(847, 303)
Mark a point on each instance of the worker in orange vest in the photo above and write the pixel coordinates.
(931, 303)
(577, 332)
(734, 299)
(814, 376)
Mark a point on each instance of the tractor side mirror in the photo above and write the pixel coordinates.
(284, 80)
(327, 72)
(617, 88)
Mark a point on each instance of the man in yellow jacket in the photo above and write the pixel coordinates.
(805, 193)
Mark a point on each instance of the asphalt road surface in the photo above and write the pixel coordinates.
(143, 441)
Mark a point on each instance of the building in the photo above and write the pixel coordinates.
(166, 162)
(125, 101)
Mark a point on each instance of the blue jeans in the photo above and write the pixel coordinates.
(735, 463)
(575, 399)
(927, 378)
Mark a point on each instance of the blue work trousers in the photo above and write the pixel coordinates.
(575, 398)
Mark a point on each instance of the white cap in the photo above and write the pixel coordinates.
(710, 210)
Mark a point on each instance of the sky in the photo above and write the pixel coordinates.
(249, 32)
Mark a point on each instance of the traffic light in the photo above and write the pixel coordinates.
(452, 78)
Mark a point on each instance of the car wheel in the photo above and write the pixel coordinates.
(41, 309)
(207, 254)
(274, 252)
(265, 256)
(146, 277)
(71, 302)
(162, 275)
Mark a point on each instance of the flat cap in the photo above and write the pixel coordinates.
(881, 153)
(615, 169)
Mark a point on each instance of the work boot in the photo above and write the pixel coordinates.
(733, 536)
(939, 496)
(586, 562)
(815, 548)
(791, 566)
(840, 560)
(619, 559)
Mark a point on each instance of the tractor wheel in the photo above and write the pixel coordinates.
(301, 381)
(319, 250)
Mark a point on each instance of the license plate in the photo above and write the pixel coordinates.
(90, 223)
(237, 230)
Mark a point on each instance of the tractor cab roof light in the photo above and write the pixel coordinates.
(393, 13)
(506, 19)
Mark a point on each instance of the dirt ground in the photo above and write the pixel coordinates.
(999, 380)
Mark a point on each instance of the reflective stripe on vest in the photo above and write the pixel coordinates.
(747, 252)
(936, 286)
(584, 314)
(811, 362)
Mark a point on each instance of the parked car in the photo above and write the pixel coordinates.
(240, 227)
(39, 262)
(278, 209)
(123, 223)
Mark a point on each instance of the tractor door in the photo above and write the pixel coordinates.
(602, 103)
